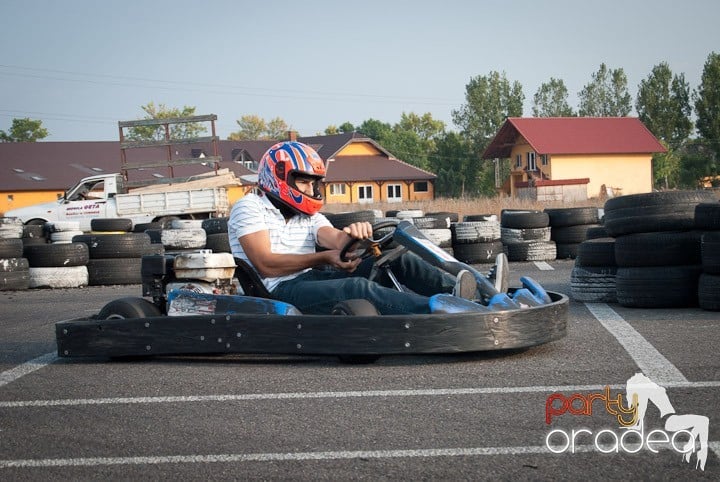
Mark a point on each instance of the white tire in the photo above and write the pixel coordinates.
(68, 277)
(410, 213)
(476, 231)
(186, 223)
(58, 226)
(64, 236)
(183, 238)
(11, 231)
(439, 237)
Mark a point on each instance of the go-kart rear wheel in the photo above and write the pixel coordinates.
(356, 308)
(129, 307)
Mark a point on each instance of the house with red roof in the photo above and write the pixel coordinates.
(575, 158)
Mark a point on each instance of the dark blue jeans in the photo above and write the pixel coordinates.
(318, 290)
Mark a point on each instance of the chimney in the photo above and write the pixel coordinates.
(292, 136)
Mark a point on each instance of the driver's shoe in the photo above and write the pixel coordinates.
(465, 285)
(500, 273)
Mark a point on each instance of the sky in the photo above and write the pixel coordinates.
(81, 66)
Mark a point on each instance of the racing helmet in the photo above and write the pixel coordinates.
(281, 165)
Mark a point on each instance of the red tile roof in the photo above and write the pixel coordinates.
(373, 168)
(574, 135)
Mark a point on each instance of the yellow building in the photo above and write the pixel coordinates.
(571, 158)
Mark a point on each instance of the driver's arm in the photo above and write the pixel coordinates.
(331, 238)
(268, 264)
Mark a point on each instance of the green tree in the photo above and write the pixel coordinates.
(374, 129)
(666, 168)
(551, 100)
(455, 166)
(183, 130)
(606, 95)
(663, 105)
(24, 130)
(490, 100)
(346, 127)
(707, 104)
(254, 127)
(697, 161)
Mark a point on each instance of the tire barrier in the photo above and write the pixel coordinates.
(114, 259)
(476, 242)
(569, 228)
(594, 275)
(526, 235)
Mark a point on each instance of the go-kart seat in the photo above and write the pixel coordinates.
(249, 280)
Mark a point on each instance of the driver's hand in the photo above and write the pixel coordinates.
(335, 261)
(359, 230)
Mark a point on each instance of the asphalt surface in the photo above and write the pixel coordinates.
(455, 417)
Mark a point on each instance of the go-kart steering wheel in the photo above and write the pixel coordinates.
(369, 247)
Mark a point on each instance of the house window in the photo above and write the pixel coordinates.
(11, 197)
(420, 186)
(337, 189)
(544, 159)
(394, 193)
(518, 161)
(365, 194)
(531, 165)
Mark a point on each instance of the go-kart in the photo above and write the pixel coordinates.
(197, 311)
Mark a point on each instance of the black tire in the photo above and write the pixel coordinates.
(710, 252)
(596, 252)
(594, 284)
(479, 217)
(33, 231)
(669, 248)
(596, 232)
(656, 211)
(114, 271)
(218, 243)
(531, 251)
(341, 220)
(56, 255)
(571, 234)
(11, 248)
(658, 286)
(111, 224)
(567, 250)
(155, 235)
(524, 219)
(14, 280)
(477, 253)
(356, 308)
(707, 216)
(127, 245)
(215, 225)
(508, 235)
(709, 292)
(142, 227)
(562, 217)
(129, 308)
(449, 217)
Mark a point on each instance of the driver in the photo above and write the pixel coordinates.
(277, 230)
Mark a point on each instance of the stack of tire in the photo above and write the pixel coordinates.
(707, 220)
(34, 234)
(593, 277)
(436, 227)
(115, 253)
(62, 263)
(476, 240)
(184, 235)
(216, 234)
(14, 269)
(526, 235)
(569, 227)
(657, 249)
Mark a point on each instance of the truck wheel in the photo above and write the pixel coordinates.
(129, 307)
(166, 221)
(356, 308)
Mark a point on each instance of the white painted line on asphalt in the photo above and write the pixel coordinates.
(27, 367)
(429, 392)
(543, 266)
(300, 456)
(650, 361)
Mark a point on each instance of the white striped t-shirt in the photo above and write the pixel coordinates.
(253, 213)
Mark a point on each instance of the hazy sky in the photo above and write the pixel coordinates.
(83, 65)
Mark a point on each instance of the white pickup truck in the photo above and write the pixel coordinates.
(102, 197)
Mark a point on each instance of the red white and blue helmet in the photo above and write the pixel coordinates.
(279, 167)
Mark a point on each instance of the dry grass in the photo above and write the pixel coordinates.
(464, 206)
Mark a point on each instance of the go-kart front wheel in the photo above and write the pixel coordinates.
(356, 308)
(128, 308)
